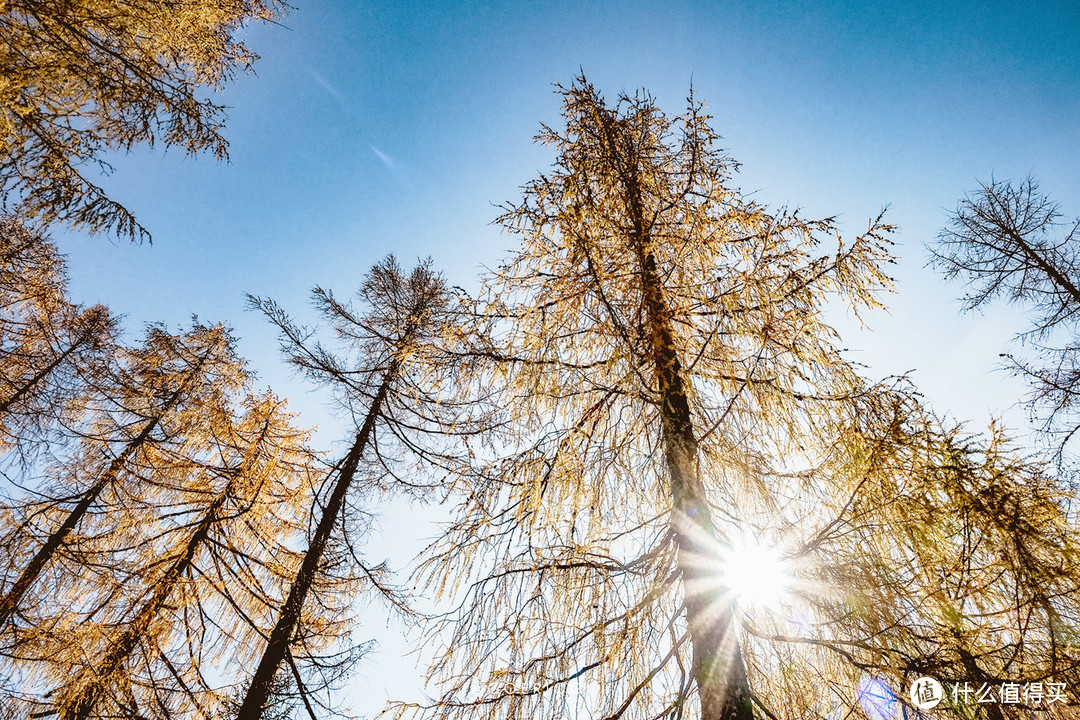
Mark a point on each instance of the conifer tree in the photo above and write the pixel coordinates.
(193, 595)
(673, 405)
(149, 409)
(386, 345)
(82, 78)
(1009, 240)
(49, 348)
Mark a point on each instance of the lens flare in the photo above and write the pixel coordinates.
(756, 575)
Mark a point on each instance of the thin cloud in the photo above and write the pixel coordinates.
(392, 166)
(334, 92)
(386, 160)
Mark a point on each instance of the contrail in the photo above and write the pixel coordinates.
(398, 172)
(329, 88)
(390, 164)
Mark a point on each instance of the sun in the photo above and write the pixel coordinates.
(756, 575)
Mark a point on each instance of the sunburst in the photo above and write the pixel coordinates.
(756, 574)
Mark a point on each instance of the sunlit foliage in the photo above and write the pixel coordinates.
(82, 78)
(50, 349)
(148, 411)
(145, 552)
(189, 596)
(668, 388)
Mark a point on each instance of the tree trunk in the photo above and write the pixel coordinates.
(717, 665)
(1039, 260)
(80, 707)
(31, 383)
(281, 636)
(977, 674)
(10, 601)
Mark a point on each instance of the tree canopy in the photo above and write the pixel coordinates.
(50, 349)
(144, 548)
(380, 368)
(673, 405)
(1009, 240)
(81, 79)
(672, 494)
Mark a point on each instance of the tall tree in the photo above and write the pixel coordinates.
(1008, 240)
(151, 406)
(694, 506)
(49, 348)
(207, 560)
(659, 342)
(81, 79)
(387, 343)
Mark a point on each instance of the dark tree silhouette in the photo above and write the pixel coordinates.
(1009, 241)
(388, 339)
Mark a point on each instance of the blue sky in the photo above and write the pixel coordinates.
(372, 127)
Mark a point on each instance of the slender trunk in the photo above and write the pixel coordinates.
(1037, 258)
(10, 601)
(33, 382)
(717, 664)
(977, 674)
(84, 703)
(289, 617)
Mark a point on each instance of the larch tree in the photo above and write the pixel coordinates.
(694, 507)
(153, 406)
(194, 577)
(50, 349)
(1008, 240)
(81, 79)
(381, 375)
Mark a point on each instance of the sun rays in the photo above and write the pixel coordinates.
(756, 575)
(751, 574)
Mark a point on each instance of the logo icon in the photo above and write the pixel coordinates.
(926, 693)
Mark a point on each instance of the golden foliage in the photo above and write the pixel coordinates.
(49, 348)
(645, 280)
(146, 565)
(79, 79)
